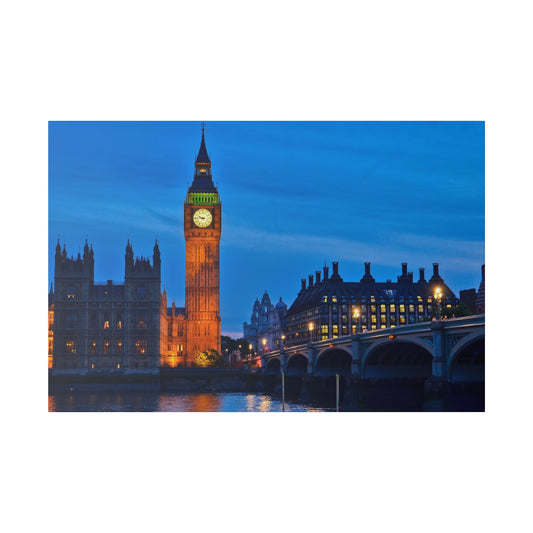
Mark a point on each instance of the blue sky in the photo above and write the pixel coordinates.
(294, 195)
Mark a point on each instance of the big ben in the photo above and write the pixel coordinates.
(202, 224)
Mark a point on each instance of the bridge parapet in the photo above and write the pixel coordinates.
(441, 338)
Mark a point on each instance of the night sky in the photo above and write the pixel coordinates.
(294, 196)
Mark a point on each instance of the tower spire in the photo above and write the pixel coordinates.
(202, 157)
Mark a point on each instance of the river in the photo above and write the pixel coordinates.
(108, 401)
(386, 396)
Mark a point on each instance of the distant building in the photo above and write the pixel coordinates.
(267, 322)
(324, 308)
(480, 297)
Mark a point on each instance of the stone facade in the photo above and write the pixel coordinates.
(111, 327)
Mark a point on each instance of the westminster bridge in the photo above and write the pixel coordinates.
(451, 350)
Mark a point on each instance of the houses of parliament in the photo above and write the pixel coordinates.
(128, 327)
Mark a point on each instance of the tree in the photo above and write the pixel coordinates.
(455, 311)
(209, 359)
(229, 344)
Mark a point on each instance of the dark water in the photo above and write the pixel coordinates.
(373, 396)
(173, 402)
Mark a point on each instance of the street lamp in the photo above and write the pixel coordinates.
(282, 341)
(264, 341)
(311, 328)
(438, 299)
(251, 353)
(357, 317)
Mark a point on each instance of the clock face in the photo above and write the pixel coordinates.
(202, 218)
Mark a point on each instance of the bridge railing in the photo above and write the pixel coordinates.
(406, 329)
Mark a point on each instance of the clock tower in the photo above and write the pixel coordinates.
(202, 225)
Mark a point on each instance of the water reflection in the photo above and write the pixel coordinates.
(106, 401)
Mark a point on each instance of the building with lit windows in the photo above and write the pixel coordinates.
(106, 326)
(325, 306)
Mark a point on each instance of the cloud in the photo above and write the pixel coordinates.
(460, 256)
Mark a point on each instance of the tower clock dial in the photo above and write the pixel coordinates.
(202, 218)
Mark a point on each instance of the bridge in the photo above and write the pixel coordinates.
(450, 350)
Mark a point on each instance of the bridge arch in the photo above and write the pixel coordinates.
(333, 361)
(398, 358)
(466, 360)
(273, 366)
(297, 364)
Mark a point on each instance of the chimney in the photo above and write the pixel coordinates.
(310, 280)
(335, 268)
(404, 269)
(303, 284)
(317, 277)
(421, 274)
(436, 269)
(326, 272)
(367, 269)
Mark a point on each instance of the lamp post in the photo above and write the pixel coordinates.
(282, 346)
(438, 299)
(263, 342)
(311, 328)
(357, 317)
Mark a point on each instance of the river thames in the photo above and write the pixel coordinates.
(111, 401)
(375, 398)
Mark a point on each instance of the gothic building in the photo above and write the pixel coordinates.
(267, 324)
(106, 326)
(324, 307)
(129, 327)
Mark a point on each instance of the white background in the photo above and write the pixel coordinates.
(340, 60)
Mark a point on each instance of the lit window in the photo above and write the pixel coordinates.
(119, 346)
(402, 308)
(420, 309)
(140, 346)
(383, 309)
(71, 292)
(92, 346)
(324, 329)
(141, 323)
(92, 365)
(106, 324)
(106, 346)
(402, 320)
(118, 365)
(374, 319)
(70, 347)
(392, 308)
